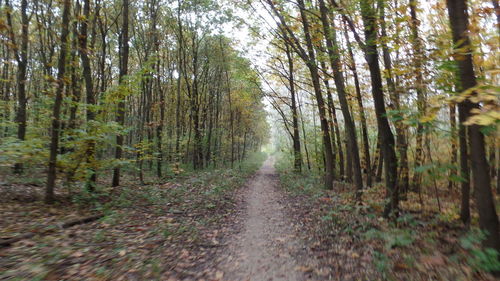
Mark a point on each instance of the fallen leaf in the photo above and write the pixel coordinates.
(219, 274)
(400, 266)
(304, 268)
(77, 254)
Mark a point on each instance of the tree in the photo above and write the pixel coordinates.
(364, 129)
(334, 55)
(488, 218)
(309, 57)
(22, 62)
(120, 114)
(56, 111)
(295, 120)
(385, 133)
(89, 89)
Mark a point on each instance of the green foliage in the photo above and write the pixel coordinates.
(381, 262)
(306, 183)
(486, 259)
(438, 170)
(407, 220)
(31, 151)
(393, 238)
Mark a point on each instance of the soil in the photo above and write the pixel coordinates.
(266, 247)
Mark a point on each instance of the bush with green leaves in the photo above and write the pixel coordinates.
(486, 259)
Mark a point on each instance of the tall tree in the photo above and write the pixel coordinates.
(309, 57)
(364, 128)
(89, 90)
(338, 77)
(295, 120)
(395, 97)
(419, 87)
(120, 115)
(386, 137)
(21, 57)
(488, 218)
(56, 111)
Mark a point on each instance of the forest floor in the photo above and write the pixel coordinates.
(228, 224)
(267, 246)
(167, 230)
(352, 241)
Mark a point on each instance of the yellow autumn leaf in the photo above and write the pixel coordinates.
(427, 118)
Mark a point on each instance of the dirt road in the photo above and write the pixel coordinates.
(266, 248)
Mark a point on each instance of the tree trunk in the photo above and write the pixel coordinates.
(386, 136)
(334, 130)
(56, 112)
(488, 218)
(496, 6)
(334, 55)
(394, 94)
(453, 140)
(419, 87)
(295, 121)
(313, 69)
(22, 65)
(304, 136)
(90, 96)
(120, 114)
(464, 167)
(359, 99)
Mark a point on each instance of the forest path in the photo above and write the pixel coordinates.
(266, 248)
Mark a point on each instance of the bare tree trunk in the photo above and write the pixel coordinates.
(56, 112)
(75, 77)
(464, 167)
(231, 117)
(295, 122)
(6, 89)
(453, 137)
(334, 129)
(304, 136)
(120, 115)
(340, 149)
(497, 12)
(420, 87)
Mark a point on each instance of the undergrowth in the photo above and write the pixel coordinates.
(167, 223)
(413, 246)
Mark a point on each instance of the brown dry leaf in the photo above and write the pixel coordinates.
(77, 254)
(400, 266)
(304, 268)
(184, 254)
(325, 199)
(436, 260)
